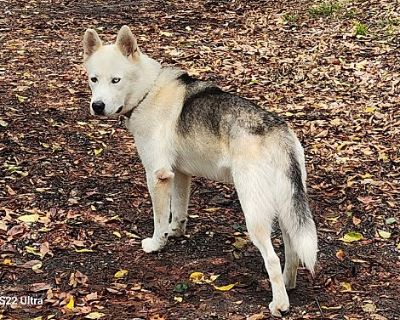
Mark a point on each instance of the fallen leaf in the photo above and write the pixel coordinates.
(181, 287)
(340, 254)
(29, 218)
(117, 234)
(197, 277)
(120, 274)
(391, 220)
(356, 221)
(83, 250)
(384, 234)
(178, 299)
(225, 288)
(70, 305)
(346, 287)
(240, 243)
(351, 237)
(94, 315)
(98, 151)
(369, 307)
(331, 308)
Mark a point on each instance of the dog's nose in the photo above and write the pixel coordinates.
(98, 107)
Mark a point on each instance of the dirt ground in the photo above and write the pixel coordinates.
(73, 200)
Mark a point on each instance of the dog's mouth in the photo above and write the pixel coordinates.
(120, 109)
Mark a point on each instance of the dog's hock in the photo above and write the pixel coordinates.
(91, 42)
(126, 42)
(164, 175)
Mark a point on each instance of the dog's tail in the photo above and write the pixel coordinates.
(298, 220)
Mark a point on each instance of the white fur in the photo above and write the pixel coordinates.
(257, 165)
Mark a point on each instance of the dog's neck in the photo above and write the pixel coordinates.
(153, 70)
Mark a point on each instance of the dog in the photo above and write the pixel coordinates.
(185, 127)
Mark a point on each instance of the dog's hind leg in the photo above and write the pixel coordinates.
(160, 186)
(291, 260)
(179, 204)
(256, 195)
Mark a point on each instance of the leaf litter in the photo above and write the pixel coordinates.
(339, 91)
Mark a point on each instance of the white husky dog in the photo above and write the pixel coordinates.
(185, 127)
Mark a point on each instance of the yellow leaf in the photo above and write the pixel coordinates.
(98, 151)
(211, 209)
(197, 277)
(336, 122)
(70, 305)
(117, 234)
(370, 109)
(120, 274)
(37, 266)
(383, 156)
(366, 176)
(32, 250)
(21, 99)
(225, 288)
(83, 250)
(178, 299)
(37, 318)
(351, 237)
(384, 234)
(29, 218)
(7, 262)
(346, 287)
(398, 246)
(94, 315)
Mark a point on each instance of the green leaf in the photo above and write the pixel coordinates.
(351, 237)
(390, 220)
(181, 287)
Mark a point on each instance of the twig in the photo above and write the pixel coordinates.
(319, 307)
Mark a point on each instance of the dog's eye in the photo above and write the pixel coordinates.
(115, 80)
(93, 79)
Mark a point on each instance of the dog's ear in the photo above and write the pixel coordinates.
(126, 42)
(91, 42)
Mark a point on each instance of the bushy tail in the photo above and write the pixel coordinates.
(305, 243)
(299, 222)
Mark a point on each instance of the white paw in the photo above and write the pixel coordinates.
(151, 245)
(278, 309)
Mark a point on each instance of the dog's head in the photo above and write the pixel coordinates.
(114, 71)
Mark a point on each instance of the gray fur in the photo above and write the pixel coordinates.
(221, 113)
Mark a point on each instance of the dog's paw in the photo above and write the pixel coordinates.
(176, 232)
(279, 309)
(151, 245)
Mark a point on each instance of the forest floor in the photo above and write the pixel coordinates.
(73, 199)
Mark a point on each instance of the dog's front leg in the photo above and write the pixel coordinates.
(160, 185)
(179, 204)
